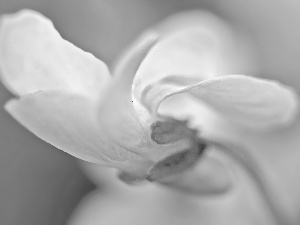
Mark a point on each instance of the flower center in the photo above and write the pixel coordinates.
(174, 133)
(171, 130)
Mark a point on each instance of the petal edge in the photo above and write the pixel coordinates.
(33, 57)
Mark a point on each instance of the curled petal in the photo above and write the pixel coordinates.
(69, 122)
(195, 44)
(116, 112)
(33, 57)
(118, 117)
(248, 101)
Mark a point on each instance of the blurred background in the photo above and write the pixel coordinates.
(42, 185)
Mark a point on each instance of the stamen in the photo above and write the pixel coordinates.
(170, 130)
(176, 163)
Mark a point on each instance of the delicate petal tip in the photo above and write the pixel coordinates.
(33, 57)
(6, 21)
(249, 102)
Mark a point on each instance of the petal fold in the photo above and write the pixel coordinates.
(116, 112)
(122, 122)
(33, 57)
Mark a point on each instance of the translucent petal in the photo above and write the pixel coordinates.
(69, 122)
(33, 56)
(195, 44)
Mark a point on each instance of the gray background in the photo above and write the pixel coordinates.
(40, 184)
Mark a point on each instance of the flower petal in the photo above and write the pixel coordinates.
(248, 101)
(33, 56)
(120, 120)
(69, 122)
(116, 113)
(195, 44)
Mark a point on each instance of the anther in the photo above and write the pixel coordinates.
(176, 163)
(171, 131)
(164, 132)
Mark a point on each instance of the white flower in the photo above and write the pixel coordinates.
(68, 98)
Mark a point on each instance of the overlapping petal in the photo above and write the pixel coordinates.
(195, 52)
(188, 43)
(69, 100)
(59, 85)
(248, 101)
(119, 118)
(69, 122)
(194, 46)
(33, 57)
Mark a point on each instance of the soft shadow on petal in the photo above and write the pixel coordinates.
(150, 205)
(194, 46)
(201, 117)
(33, 57)
(69, 122)
(211, 176)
